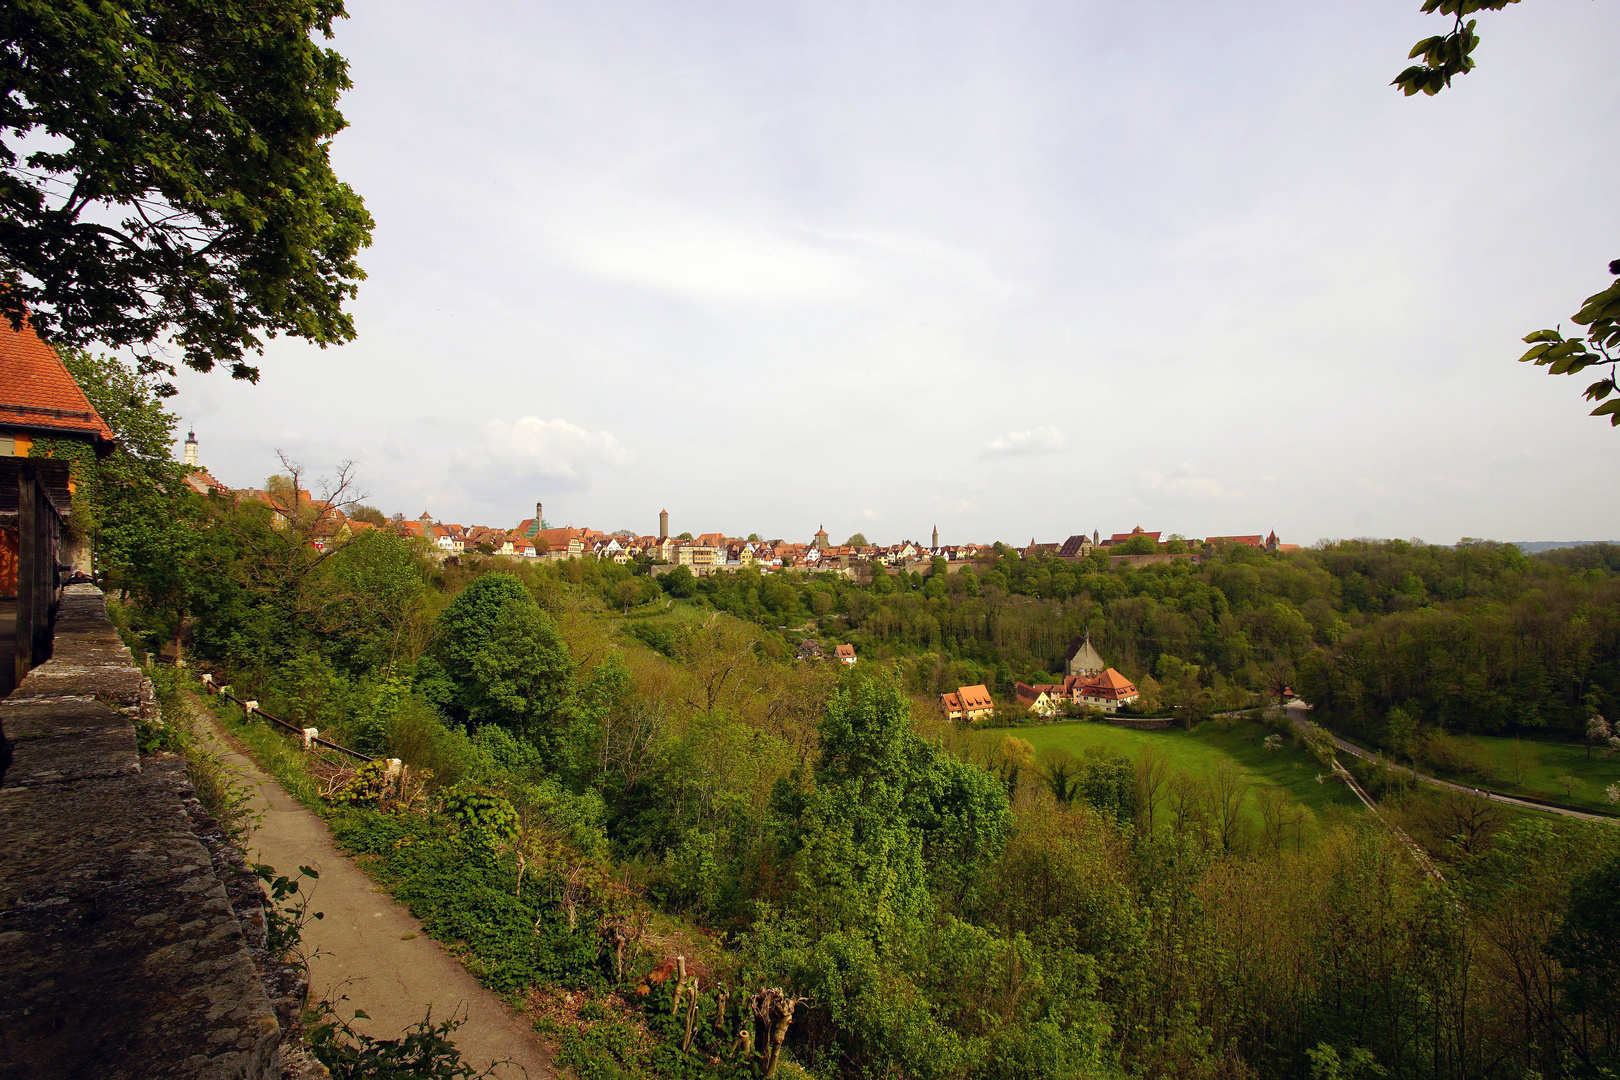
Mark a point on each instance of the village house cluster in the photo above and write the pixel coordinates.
(712, 552)
(708, 553)
(1088, 682)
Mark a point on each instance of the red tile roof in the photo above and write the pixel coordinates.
(204, 482)
(975, 697)
(1110, 684)
(37, 392)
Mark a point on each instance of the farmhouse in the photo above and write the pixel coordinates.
(968, 703)
(1037, 699)
(1107, 691)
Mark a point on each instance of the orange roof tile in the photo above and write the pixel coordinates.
(975, 697)
(1110, 684)
(36, 390)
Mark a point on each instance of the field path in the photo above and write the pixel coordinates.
(368, 947)
(1495, 796)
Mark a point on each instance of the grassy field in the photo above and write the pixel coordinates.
(1525, 767)
(1196, 753)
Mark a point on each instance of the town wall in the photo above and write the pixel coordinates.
(1116, 561)
(1145, 724)
(132, 933)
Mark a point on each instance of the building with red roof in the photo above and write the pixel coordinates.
(39, 399)
(968, 703)
(1120, 538)
(1107, 691)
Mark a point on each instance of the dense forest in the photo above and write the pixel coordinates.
(1474, 638)
(615, 767)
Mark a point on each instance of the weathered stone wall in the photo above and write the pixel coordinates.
(1140, 725)
(128, 923)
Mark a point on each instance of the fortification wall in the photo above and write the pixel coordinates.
(131, 932)
(1157, 724)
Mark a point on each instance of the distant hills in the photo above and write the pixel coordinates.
(1531, 547)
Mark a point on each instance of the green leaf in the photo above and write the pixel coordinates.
(1608, 408)
(1543, 335)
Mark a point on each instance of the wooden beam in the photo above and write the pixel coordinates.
(28, 558)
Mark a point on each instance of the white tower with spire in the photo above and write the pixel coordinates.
(191, 449)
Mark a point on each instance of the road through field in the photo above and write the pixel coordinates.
(1484, 793)
(367, 947)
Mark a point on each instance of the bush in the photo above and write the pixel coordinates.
(466, 894)
(1457, 757)
(418, 737)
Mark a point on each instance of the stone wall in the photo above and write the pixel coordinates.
(1151, 724)
(131, 931)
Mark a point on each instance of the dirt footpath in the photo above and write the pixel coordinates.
(369, 947)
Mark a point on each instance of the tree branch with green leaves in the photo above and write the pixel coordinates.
(1561, 355)
(1445, 56)
(165, 177)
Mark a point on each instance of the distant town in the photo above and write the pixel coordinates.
(710, 552)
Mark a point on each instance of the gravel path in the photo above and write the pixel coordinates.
(370, 948)
(1485, 793)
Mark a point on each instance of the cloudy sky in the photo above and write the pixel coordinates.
(1017, 269)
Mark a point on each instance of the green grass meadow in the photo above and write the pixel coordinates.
(1491, 761)
(1196, 753)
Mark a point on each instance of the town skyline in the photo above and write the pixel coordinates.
(929, 538)
(887, 278)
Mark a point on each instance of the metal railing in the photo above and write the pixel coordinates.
(310, 736)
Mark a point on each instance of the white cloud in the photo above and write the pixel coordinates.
(1366, 484)
(700, 255)
(532, 448)
(1186, 483)
(1031, 443)
(869, 514)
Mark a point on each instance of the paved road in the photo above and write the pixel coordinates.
(1495, 796)
(369, 947)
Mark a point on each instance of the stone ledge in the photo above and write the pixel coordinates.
(120, 954)
(132, 934)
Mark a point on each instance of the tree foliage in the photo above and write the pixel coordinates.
(503, 658)
(176, 179)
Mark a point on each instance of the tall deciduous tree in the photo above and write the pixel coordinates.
(165, 171)
(142, 519)
(503, 657)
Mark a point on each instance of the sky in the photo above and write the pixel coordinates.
(1017, 270)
